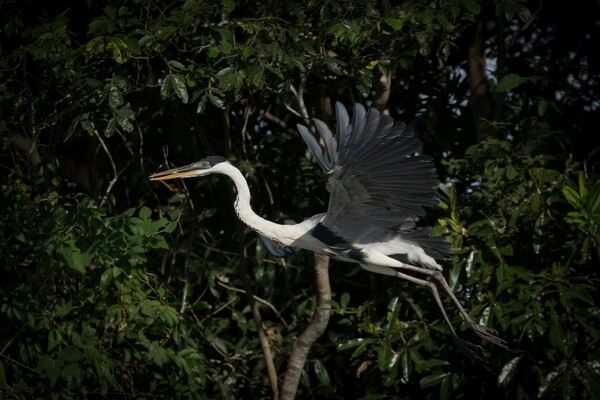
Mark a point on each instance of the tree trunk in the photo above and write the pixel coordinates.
(312, 332)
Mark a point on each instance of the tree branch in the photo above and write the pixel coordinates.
(479, 101)
(312, 332)
(114, 168)
(383, 87)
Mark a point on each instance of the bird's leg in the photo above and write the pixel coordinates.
(469, 348)
(375, 259)
(482, 331)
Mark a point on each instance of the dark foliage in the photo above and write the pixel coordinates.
(116, 287)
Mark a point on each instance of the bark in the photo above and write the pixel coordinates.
(500, 99)
(479, 100)
(383, 88)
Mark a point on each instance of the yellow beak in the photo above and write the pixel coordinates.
(179, 172)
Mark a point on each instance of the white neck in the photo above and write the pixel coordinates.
(285, 234)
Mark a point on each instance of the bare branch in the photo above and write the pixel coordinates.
(113, 165)
(259, 299)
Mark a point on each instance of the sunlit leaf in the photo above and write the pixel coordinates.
(180, 88)
(433, 379)
(508, 371)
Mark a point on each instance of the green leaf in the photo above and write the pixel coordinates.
(446, 388)
(71, 371)
(351, 343)
(110, 11)
(133, 45)
(115, 47)
(64, 309)
(179, 88)
(395, 23)
(508, 372)
(512, 81)
(321, 373)
(170, 227)
(146, 40)
(48, 366)
(176, 65)
(548, 382)
(74, 258)
(384, 358)
(511, 172)
(110, 127)
(54, 339)
(454, 275)
(189, 4)
(202, 104)
(360, 349)
(71, 354)
(536, 201)
(166, 86)
(97, 25)
(157, 354)
(215, 100)
(120, 82)
(344, 300)
(430, 364)
(514, 217)
(124, 117)
(572, 197)
(228, 6)
(433, 379)
(115, 99)
(88, 126)
(472, 6)
(258, 79)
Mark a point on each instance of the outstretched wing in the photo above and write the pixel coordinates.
(379, 182)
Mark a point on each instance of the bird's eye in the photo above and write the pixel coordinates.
(204, 164)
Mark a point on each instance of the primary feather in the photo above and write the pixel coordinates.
(378, 180)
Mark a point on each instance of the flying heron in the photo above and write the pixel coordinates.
(379, 184)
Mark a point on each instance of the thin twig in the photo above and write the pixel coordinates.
(218, 310)
(259, 299)
(113, 165)
(184, 296)
(299, 94)
(273, 118)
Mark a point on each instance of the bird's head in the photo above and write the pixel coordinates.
(206, 166)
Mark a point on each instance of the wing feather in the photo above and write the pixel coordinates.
(379, 181)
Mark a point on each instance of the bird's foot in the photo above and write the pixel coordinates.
(472, 350)
(489, 334)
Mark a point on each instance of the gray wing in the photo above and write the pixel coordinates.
(379, 182)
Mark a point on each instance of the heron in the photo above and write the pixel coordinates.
(379, 184)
